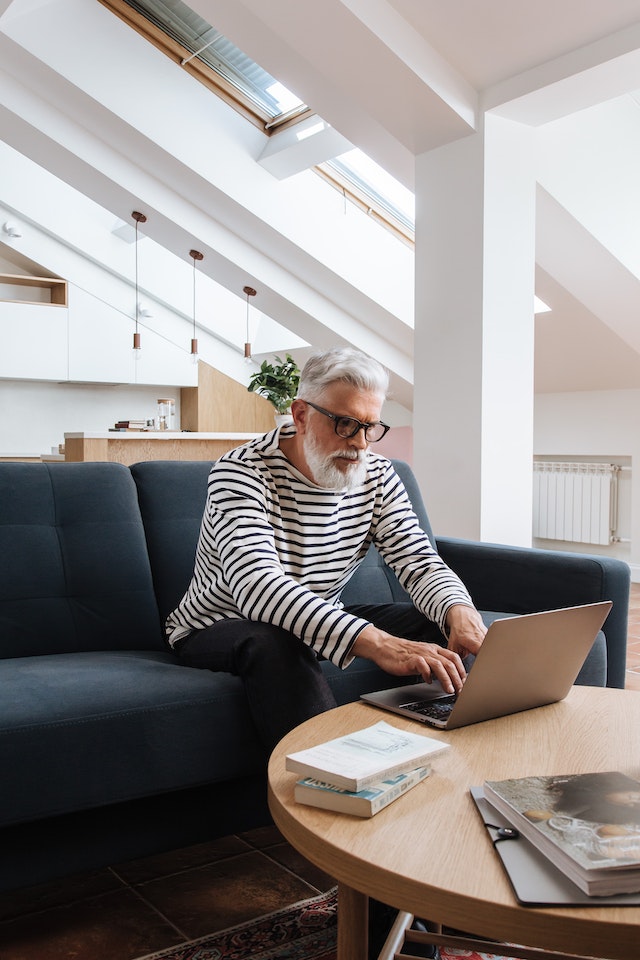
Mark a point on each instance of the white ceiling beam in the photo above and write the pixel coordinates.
(583, 78)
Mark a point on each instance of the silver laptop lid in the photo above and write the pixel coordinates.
(524, 662)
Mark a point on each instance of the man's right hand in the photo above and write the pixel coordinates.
(405, 658)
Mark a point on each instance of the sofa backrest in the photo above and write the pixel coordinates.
(74, 569)
(172, 496)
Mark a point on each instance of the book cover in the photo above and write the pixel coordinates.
(358, 759)
(588, 824)
(363, 803)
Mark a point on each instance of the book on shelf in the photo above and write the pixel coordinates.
(358, 759)
(131, 424)
(587, 824)
(362, 803)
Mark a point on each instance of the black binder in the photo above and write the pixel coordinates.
(536, 882)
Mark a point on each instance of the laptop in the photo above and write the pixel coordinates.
(524, 662)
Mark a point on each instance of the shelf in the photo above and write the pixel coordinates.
(54, 290)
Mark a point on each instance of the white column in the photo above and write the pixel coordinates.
(473, 395)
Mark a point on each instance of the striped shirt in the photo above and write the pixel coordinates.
(276, 548)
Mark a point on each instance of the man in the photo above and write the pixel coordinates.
(289, 517)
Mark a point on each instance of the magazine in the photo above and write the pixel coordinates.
(587, 824)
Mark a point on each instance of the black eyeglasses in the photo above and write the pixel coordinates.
(347, 427)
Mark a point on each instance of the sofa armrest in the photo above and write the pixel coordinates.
(527, 580)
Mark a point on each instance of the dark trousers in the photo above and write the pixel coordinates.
(282, 678)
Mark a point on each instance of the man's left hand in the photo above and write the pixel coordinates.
(465, 629)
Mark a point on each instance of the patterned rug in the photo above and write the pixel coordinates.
(303, 931)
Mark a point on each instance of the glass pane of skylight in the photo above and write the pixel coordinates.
(371, 179)
(180, 22)
(284, 98)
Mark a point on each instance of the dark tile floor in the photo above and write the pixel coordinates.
(132, 909)
(135, 908)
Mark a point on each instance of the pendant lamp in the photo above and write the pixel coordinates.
(139, 218)
(195, 255)
(250, 292)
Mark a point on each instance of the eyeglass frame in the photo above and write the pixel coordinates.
(361, 425)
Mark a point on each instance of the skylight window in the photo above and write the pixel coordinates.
(199, 47)
(373, 180)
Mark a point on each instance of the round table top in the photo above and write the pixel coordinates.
(429, 852)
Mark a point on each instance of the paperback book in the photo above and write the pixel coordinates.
(587, 824)
(131, 425)
(358, 759)
(363, 803)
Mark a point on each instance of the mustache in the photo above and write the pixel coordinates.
(356, 456)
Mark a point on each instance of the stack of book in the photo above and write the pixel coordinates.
(363, 772)
(131, 425)
(587, 825)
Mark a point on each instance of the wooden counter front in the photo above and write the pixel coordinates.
(133, 447)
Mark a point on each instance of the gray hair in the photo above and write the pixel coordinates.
(342, 365)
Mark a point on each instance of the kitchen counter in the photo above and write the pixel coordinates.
(129, 446)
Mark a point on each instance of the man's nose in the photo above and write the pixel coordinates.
(360, 441)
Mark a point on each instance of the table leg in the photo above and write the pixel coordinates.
(353, 924)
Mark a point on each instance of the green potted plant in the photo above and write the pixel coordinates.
(278, 382)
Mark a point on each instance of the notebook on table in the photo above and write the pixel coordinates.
(524, 662)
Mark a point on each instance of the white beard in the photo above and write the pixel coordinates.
(327, 474)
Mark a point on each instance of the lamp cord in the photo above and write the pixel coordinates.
(194, 297)
(137, 295)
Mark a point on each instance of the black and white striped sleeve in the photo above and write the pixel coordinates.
(430, 583)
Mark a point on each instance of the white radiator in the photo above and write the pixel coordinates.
(575, 501)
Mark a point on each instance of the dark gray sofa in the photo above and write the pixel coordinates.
(110, 749)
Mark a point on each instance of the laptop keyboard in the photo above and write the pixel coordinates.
(436, 709)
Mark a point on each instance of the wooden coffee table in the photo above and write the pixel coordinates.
(429, 854)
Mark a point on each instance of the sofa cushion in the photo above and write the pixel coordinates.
(74, 569)
(83, 730)
(87, 729)
(172, 496)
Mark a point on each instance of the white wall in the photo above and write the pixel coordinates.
(604, 423)
(37, 415)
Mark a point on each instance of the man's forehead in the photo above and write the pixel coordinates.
(341, 397)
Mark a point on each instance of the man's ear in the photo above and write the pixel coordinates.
(300, 414)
